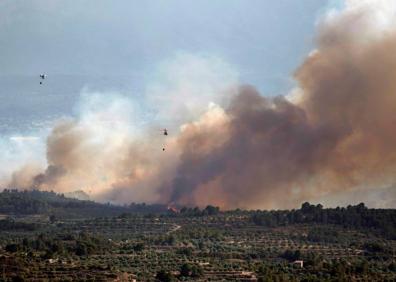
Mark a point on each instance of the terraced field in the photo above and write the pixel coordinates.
(222, 247)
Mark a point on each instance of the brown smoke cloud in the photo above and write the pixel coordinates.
(268, 150)
(340, 135)
(77, 159)
(256, 152)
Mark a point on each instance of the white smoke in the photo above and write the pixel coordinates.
(367, 19)
(184, 87)
(111, 147)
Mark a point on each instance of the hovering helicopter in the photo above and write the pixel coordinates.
(165, 134)
(42, 76)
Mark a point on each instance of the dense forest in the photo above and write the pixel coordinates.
(382, 221)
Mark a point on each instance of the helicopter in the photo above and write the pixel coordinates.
(165, 132)
(42, 76)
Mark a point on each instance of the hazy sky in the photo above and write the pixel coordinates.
(265, 40)
(118, 70)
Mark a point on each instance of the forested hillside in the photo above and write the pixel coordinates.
(50, 203)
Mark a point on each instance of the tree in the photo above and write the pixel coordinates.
(18, 278)
(211, 210)
(12, 248)
(291, 256)
(138, 247)
(164, 276)
(196, 271)
(362, 267)
(52, 218)
(185, 270)
(185, 251)
(81, 250)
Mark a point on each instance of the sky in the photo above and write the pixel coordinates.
(315, 125)
(264, 40)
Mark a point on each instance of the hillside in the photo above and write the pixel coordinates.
(44, 235)
(34, 202)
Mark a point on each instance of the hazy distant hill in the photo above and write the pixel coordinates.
(16, 202)
(79, 195)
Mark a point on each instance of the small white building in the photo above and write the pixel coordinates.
(299, 263)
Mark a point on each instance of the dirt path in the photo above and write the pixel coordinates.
(174, 228)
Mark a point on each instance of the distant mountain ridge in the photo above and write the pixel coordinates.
(31, 202)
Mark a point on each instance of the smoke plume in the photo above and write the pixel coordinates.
(336, 134)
